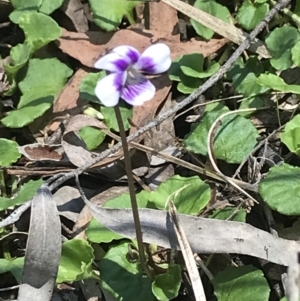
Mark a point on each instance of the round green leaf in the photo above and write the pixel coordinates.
(15, 266)
(76, 261)
(49, 6)
(280, 189)
(245, 283)
(189, 195)
(229, 212)
(280, 43)
(108, 14)
(25, 193)
(234, 139)
(9, 152)
(19, 56)
(122, 278)
(38, 75)
(166, 286)
(296, 54)
(39, 29)
(213, 8)
(291, 135)
(88, 84)
(92, 137)
(274, 82)
(110, 117)
(250, 14)
(21, 7)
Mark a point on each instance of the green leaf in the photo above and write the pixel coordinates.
(244, 77)
(280, 43)
(97, 233)
(15, 266)
(229, 212)
(238, 284)
(213, 8)
(192, 65)
(38, 75)
(37, 36)
(92, 137)
(26, 192)
(296, 54)
(110, 117)
(122, 278)
(76, 261)
(21, 7)
(108, 14)
(88, 84)
(234, 139)
(33, 104)
(250, 14)
(249, 103)
(49, 6)
(276, 83)
(40, 88)
(19, 56)
(166, 286)
(280, 189)
(9, 152)
(189, 195)
(291, 135)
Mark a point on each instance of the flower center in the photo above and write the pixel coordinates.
(134, 77)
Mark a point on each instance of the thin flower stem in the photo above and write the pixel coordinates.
(135, 211)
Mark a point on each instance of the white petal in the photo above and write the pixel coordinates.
(137, 94)
(128, 52)
(155, 59)
(112, 62)
(108, 89)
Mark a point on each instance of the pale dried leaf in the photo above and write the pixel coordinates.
(43, 249)
(204, 235)
(41, 152)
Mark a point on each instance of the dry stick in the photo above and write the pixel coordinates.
(187, 254)
(135, 210)
(160, 118)
(211, 157)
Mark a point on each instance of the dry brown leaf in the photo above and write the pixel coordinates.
(88, 47)
(74, 10)
(163, 17)
(75, 147)
(40, 152)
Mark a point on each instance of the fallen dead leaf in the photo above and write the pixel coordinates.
(163, 17)
(75, 147)
(88, 47)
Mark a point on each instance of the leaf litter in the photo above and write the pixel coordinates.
(52, 124)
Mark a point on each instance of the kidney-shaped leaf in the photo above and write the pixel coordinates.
(234, 139)
(245, 283)
(291, 135)
(39, 29)
(124, 278)
(189, 195)
(8, 152)
(280, 189)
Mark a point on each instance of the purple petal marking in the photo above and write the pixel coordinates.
(127, 52)
(112, 62)
(108, 89)
(155, 59)
(137, 94)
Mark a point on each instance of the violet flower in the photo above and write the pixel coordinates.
(126, 80)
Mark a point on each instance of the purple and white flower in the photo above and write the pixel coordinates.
(126, 80)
